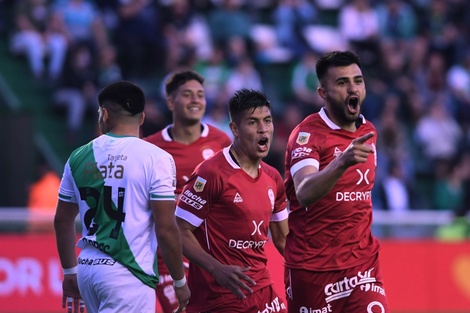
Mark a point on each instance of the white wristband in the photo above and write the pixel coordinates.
(180, 282)
(68, 271)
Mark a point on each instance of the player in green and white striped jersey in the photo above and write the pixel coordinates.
(123, 188)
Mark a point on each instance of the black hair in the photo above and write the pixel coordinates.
(123, 94)
(335, 59)
(179, 78)
(246, 99)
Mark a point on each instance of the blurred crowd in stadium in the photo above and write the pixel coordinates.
(415, 55)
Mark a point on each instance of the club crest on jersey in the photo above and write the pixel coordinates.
(199, 184)
(303, 138)
(271, 198)
(207, 153)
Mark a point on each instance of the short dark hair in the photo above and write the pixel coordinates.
(124, 93)
(335, 59)
(246, 99)
(179, 78)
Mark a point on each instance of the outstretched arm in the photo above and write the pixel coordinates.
(311, 185)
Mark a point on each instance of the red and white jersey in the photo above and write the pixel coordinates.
(334, 232)
(232, 211)
(187, 157)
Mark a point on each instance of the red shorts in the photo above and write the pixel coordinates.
(264, 300)
(356, 290)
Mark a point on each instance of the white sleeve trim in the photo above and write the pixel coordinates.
(299, 165)
(188, 217)
(279, 216)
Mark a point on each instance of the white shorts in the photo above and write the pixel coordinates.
(107, 286)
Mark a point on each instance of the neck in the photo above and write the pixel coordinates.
(186, 133)
(246, 164)
(126, 130)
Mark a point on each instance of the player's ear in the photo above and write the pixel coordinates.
(234, 129)
(322, 92)
(169, 103)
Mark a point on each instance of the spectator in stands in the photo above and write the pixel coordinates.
(304, 83)
(109, 71)
(244, 75)
(437, 135)
(290, 17)
(77, 90)
(139, 38)
(186, 34)
(358, 23)
(216, 70)
(229, 20)
(37, 36)
(83, 23)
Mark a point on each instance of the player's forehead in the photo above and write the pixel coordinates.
(190, 86)
(257, 113)
(351, 71)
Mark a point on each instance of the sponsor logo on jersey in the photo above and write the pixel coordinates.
(193, 200)
(337, 152)
(344, 287)
(325, 309)
(303, 138)
(373, 288)
(275, 306)
(199, 184)
(238, 198)
(300, 152)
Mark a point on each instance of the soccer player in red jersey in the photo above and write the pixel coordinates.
(190, 142)
(331, 257)
(225, 212)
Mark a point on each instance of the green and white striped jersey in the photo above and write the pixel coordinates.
(113, 179)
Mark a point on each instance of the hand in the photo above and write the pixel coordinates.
(71, 297)
(182, 294)
(358, 151)
(231, 276)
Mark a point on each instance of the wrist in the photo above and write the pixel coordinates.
(178, 283)
(71, 270)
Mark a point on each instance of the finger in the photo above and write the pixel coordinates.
(82, 306)
(69, 304)
(247, 278)
(364, 138)
(76, 305)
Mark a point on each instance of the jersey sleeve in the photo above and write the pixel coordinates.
(197, 195)
(163, 182)
(280, 212)
(66, 189)
(302, 150)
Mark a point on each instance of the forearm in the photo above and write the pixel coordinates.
(316, 185)
(196, 254)
(66, 240)
(169, 243)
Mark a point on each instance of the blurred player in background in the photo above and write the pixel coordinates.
(190, 142)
